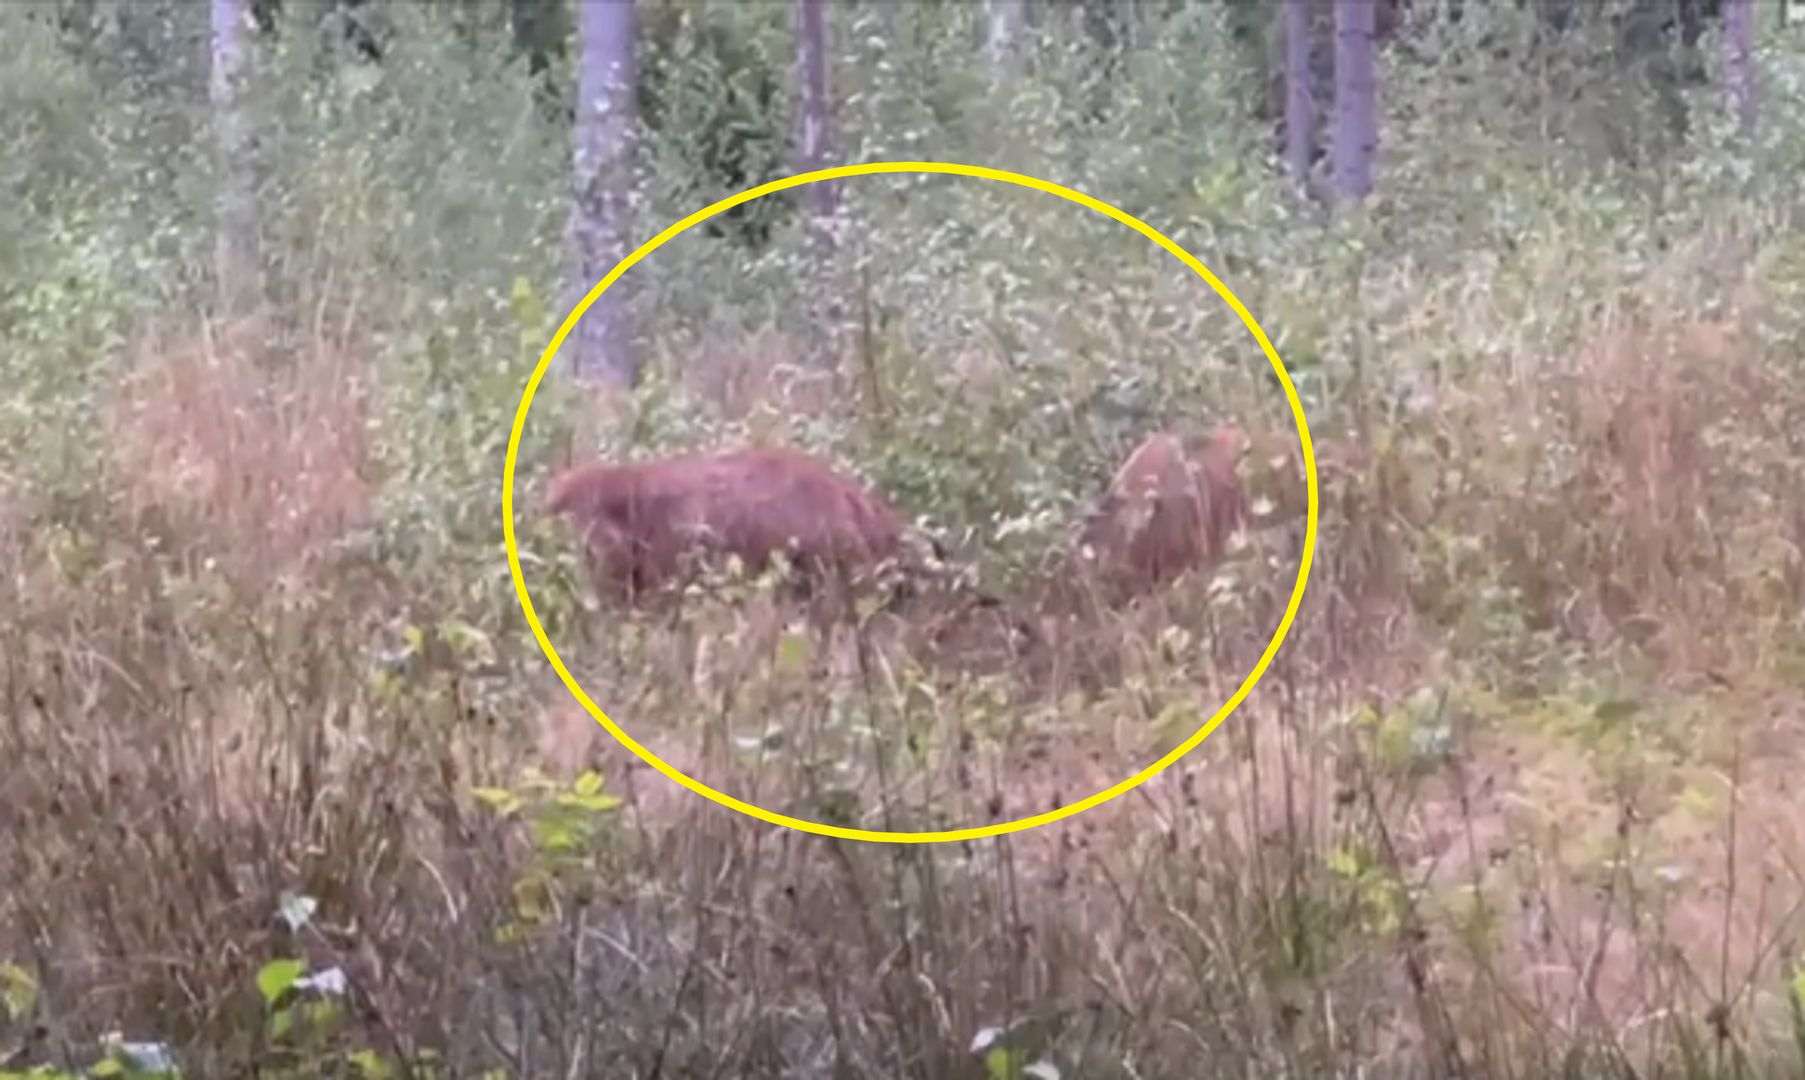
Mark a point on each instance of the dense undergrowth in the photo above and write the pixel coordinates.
(289, 786)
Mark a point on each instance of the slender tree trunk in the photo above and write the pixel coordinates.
(1739, 63)
(602, 162)
(1300, 100)
(814, 142)
(1356, 100)
(814, 136)
(1003, 28)
(235, 252)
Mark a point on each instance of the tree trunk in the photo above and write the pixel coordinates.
(235, 252)
(814, 141)
(1003, 28)
(602, 163)
(814, 137)
(1356, 100)
(1300, 100)
(1739, 64)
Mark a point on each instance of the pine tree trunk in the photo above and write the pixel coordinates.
(235, 253)
(1300, 101)
(1739, 63)
(1356, 100)
(602, 163)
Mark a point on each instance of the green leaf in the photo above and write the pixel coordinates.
(370, 1064)
(1178, 715)
(1344, 863)
(1004, 1063)
(586, 794)
(277, 977)
(501, 800)
(555, 836)
(467, 640)
(18, 990)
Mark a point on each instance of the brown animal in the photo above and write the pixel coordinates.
(642, 522)
(1170, 508)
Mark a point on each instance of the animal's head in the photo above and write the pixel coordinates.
(585, 498)
(1217, 458)
(570, 493)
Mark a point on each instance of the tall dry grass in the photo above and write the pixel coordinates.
(1513, 800)
(230, 453)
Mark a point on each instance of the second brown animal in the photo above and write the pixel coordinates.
(1170, 508)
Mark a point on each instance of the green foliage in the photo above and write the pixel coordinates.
(1377, 895)
(1413, 738)
(714, 96)
(276, 977)
(571, 828)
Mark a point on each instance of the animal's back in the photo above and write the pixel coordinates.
(826, 513)
(640, 519)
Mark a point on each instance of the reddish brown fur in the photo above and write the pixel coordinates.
(640, 521)
(1168, 510)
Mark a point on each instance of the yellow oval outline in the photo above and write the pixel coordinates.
(946, 835)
